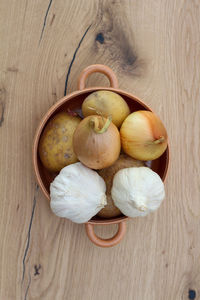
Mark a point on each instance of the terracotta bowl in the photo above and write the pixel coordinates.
(73, 102)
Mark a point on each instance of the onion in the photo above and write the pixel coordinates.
(143, 136)
(106, 103)
(96, 142)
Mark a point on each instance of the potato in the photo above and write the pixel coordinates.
(55, 145)
(106, 103)
(124, 161)
(110, 210)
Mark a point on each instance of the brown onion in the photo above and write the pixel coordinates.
(96, 142)
(143, 136)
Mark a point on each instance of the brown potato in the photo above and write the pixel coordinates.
(55, 146)
(124, 161)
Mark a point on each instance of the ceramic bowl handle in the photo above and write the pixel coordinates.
(106, 242)
(97, 69)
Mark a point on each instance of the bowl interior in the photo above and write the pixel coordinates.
(74, 103)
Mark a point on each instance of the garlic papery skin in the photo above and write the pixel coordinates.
(137, 191)
(77, 193)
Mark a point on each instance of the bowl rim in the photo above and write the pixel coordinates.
(45, 119)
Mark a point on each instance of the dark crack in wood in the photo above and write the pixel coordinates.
(2, 104)
(100, 38)
(191, 294)
(27, 289)
(45, 19)
(29, 232)
(2, 110)
(37, 268)
(73, 59)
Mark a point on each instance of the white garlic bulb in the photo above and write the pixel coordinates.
(137, 191)
(77, 193)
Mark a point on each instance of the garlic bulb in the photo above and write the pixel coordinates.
(77, 193)
(137, 191)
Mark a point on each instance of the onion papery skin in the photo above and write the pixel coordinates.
(93, 149)
(143, 136)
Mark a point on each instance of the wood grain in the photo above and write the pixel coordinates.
(154, 48)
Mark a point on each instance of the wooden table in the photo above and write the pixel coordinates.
(154, 48)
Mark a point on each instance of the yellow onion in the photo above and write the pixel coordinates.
(143, 136)
(106, 103)
(96, 142)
